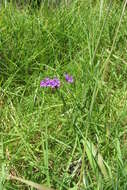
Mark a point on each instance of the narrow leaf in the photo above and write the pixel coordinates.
(29, 183)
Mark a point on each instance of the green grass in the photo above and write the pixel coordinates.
(75, 137)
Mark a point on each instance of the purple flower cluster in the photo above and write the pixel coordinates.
(55, 82)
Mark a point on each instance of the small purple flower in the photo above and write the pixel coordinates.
(69, 78)
(53, 83)
(43, 84)
(48, 82)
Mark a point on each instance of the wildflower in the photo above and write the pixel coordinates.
(53, 83)
(48, 82)
(43, 83)
(69, 78)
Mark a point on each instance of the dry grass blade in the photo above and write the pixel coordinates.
(95, 158)
(29, 183)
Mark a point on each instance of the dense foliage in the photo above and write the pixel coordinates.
(75, 136)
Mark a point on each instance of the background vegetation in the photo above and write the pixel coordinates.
(75, 137)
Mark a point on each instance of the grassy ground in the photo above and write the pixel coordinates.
(75, 137)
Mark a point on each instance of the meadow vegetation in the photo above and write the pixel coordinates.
(74, 137)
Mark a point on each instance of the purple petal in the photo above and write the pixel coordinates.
(53, 83)
(69, 78)
(42, 84)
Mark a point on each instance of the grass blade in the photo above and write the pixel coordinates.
(29, 183)
(95, 158)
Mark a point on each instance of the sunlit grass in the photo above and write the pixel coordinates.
(75, 136)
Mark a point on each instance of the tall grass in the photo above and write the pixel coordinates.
(75, 137)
